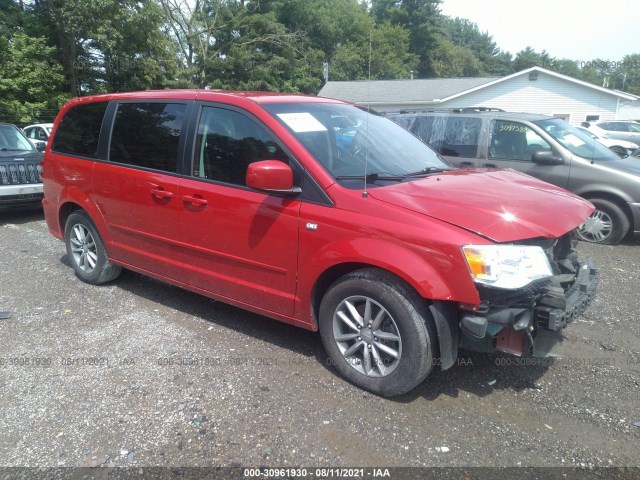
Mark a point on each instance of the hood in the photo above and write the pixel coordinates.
(26, 156)
(502, 205)
(626, 164)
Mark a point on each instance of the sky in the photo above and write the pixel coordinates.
(580, 30)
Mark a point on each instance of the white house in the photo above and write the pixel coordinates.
(534, 90)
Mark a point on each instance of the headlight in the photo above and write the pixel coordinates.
(506, 266)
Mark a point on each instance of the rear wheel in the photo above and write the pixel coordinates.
(608, 224)
(377, 332)
(86, 251)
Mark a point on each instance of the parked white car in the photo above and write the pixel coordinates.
(38, 133)
(624, 148)
(617, 129)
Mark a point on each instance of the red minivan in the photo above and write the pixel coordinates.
(321, 214)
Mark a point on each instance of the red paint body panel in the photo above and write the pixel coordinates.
(266, 252)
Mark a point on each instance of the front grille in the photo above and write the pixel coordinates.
(20, 173)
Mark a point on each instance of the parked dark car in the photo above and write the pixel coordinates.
(20, 168)
(546, 148)
(322, 215)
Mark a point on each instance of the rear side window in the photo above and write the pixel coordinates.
(147, 135)
(79, 130)
(448, 135)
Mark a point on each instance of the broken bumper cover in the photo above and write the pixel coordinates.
(509, 321)
(556, 311)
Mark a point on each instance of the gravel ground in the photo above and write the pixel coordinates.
(141, 374)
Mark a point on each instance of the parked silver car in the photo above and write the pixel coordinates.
(623, 148)
(544, 147)
(623, 130)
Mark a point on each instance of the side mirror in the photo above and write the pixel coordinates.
(271, 176)
(545, 157)
(40, 145)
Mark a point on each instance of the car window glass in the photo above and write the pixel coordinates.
(30, 132)
(79, 130)
(633, 127)
(12, 139)
(449, 135)
(461, 137)
(147, 135)
(514, 141)
(227, 142)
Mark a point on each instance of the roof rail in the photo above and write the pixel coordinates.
(449, 110)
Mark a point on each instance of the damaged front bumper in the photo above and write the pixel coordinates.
(520, 321)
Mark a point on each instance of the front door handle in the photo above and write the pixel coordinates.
(465, 164)
(489, 165)
(195, 200)
(161, 193)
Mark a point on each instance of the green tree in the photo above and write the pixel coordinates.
(450, 60)
(629, 73)
(108, 45)
(464, 33)
(421, 18)
(528, 58)
(30, 81)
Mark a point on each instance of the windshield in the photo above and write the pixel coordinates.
(345, 138)
(577, 142)
(13, 140)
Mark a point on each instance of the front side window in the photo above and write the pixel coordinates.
(79, 131)
(514, 141)
(147, 135)
(227, 142)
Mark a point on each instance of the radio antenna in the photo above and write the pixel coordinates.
(365, 194)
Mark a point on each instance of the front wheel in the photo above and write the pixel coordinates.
(608, 224)
(86, 251)
(377, 332)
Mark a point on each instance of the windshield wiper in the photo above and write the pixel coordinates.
(426, 171)
(4, 149)
(372, 177)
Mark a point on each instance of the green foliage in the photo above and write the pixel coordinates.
(421, 18)
(491, 60)
(51, 49)
(30, 82)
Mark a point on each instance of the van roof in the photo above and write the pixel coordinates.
(211, 95)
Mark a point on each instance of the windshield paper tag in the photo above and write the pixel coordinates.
(573, 140)
(302, 122)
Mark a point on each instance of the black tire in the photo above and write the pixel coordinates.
(86, 251)
(404, 316)
(607, 225)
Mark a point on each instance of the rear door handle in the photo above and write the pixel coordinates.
(195, 200)
(489, 165)
(161, 193)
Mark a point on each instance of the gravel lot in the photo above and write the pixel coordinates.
(137, 373)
